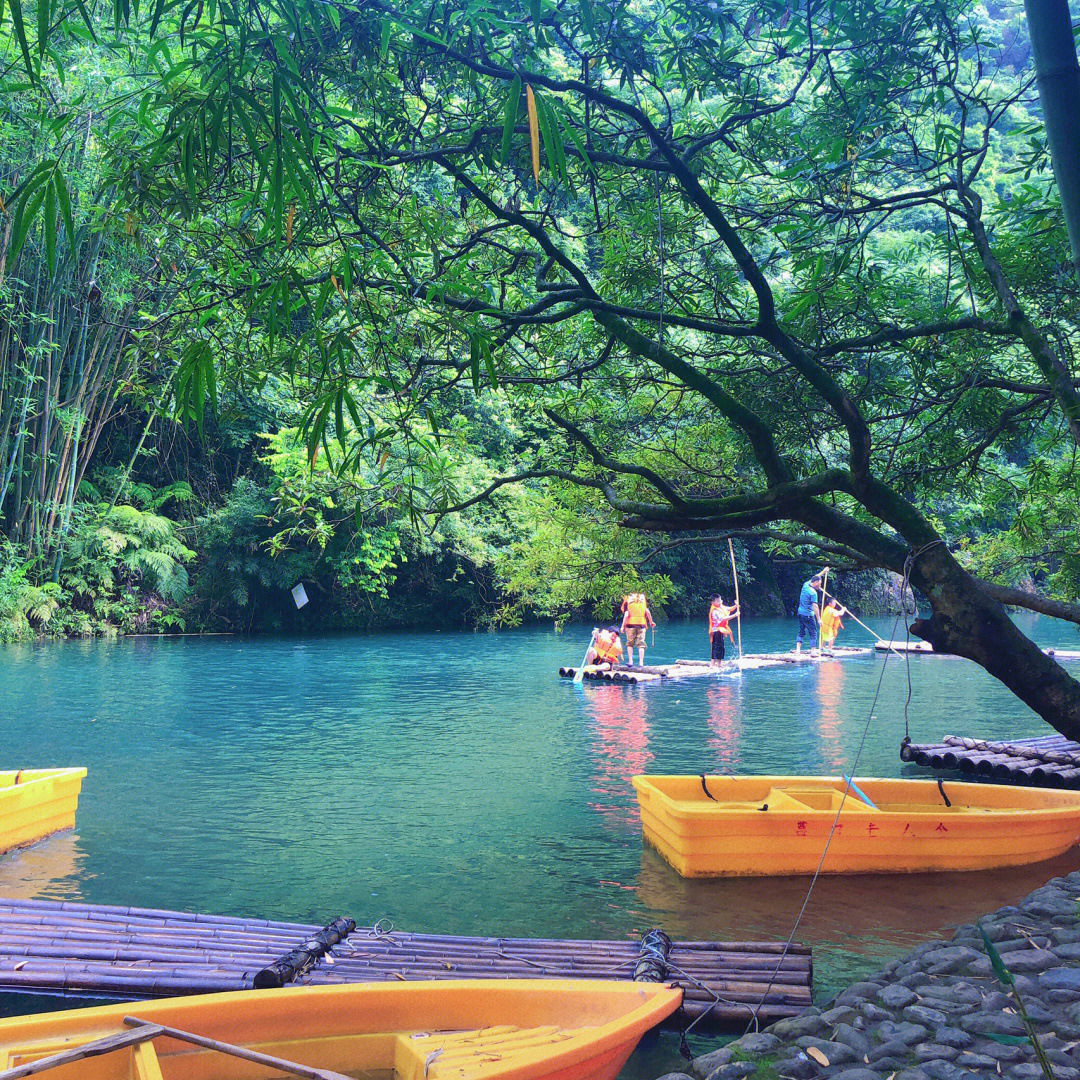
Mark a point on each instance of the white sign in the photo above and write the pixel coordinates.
(299, 594)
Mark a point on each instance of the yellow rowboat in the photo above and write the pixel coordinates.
(488, 1029)
(732, 826)
(37, 802)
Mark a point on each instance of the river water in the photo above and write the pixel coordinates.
(452, 782)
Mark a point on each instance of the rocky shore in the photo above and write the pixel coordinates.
(940, 1013)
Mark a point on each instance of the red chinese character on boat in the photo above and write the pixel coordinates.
(907, 827)
(941, 827)
(871, 828)
(800, 828)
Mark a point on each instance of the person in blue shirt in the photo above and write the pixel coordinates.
(809, 613)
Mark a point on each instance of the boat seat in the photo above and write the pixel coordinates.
(819, 798)
(487, 1046)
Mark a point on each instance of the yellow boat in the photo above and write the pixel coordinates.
(570, 1029)
(36, 803)
(733, 826)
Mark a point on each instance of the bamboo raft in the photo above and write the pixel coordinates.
(1047, 761)
(926, 647)
(683, 669)
(62, 947)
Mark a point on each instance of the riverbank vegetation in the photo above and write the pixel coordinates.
(470, 312)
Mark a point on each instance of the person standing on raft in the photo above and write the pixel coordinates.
(636, 619)
(809, 613)
(606, 648)
(831, 625)
(720, 617)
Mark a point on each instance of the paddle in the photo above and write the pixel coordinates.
(293, 1068)
(738, 610)
(821, 611)
(580, 673)
(848, 611)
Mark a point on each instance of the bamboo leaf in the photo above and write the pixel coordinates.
(44, 17)
(513, 103)
(20, 33)
(24, 218)
(1004, 975)
(474, 361)
(49, 228)
(534, 132)
(64, 199)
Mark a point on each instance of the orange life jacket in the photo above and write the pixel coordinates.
(607, 646)
(637, 610)
(719, 618)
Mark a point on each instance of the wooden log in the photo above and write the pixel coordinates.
(108, 1045)
(285, 969)
(293, 1068)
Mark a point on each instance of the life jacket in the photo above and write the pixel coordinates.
(607, 646)
(830, 623)
(719, 619)
(636, 610)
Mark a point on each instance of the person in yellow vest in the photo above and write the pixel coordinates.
(606, 648)
(637, 618)
(831, 625)
(720, 616)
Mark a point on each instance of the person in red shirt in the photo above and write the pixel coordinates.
(720, 616)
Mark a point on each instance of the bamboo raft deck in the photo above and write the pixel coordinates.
(926, 647)
(684, 669)
(1047, 761)
(62, 947)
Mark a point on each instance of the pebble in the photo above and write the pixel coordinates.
(842, 1014)
(896, 997)
(1061, 978)
(848, 1035)
(954, 1036)
(837, 1053)
(857, 993)
(735, 1070)
(759, 1042)
(920, 1014)
(799, 1067)
(935, 1052)
(905, 1031)
(857, 1074)
(1030, 960)
(706, 1064)
(996, 1023)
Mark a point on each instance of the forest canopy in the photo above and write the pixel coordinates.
(543, 297)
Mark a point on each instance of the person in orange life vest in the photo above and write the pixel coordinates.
(636, 619)
(831, 624)
(606, 648)
(720, 617)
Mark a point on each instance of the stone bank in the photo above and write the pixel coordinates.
(939, 1013)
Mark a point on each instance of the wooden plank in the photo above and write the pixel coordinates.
(111, 1043)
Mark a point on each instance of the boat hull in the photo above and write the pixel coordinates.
(34, 803)
(463, 1030)
(911, 830)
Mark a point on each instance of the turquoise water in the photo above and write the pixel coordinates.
(452, 782)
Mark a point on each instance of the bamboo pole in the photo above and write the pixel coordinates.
(738, 609)
(109, 1044)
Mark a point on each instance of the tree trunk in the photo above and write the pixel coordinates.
(968, 621)
(1058, 73)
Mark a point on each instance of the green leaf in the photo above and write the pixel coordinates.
(587, 15)
(474, 361)
(44, 17)
(64, 199)
(1005, 976)
(24, 218)
(20, 33)
(49, 228)
(513, 106)
(1005, 1040)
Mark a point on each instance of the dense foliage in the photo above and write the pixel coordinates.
(495, 291)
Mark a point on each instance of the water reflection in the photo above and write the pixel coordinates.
(881, 914)
(620, 746)
(51, 870)
(724, 701)
(830, 693)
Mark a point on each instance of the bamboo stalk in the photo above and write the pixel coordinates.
(111, 1043)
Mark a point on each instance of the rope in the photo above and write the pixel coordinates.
(847, 787)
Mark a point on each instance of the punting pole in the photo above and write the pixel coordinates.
(848, 611)
(824, 597)
(738, 617)
(580, 673)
